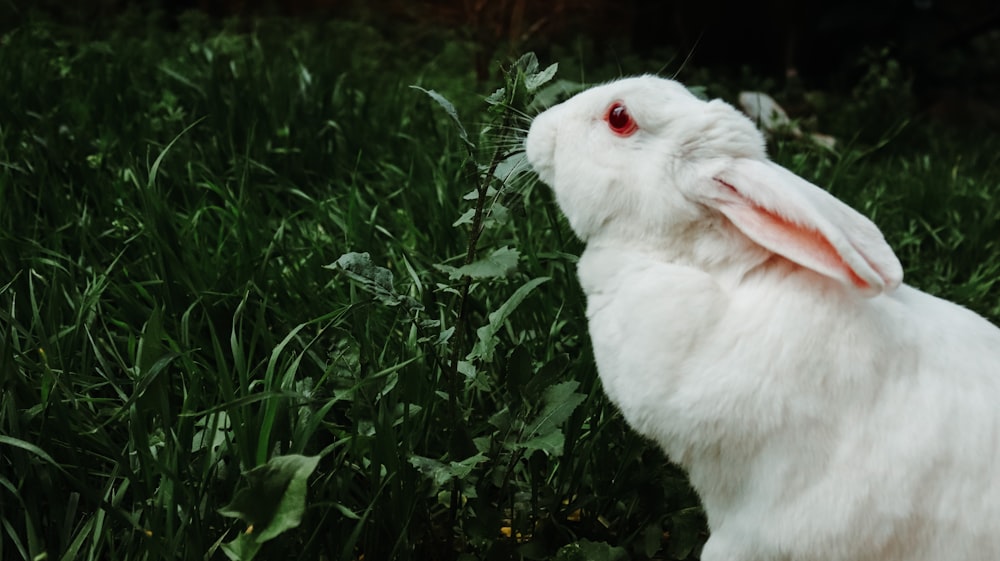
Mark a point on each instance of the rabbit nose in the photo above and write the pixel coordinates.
(540, 144)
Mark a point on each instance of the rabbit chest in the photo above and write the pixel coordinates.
(770, 434)
(648, 320)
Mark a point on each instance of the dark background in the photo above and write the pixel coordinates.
(949, 51)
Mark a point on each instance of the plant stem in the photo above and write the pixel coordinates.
(461, 322)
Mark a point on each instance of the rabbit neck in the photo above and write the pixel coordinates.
(711, 246)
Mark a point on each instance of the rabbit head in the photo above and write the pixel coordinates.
(642, 161)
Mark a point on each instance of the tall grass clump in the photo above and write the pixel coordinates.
(273, 289)
(191, 329)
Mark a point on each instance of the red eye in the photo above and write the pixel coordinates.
(620, 122)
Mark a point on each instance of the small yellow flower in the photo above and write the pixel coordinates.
(507, 532)
(249, 530)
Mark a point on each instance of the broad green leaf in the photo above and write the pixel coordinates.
(539, 79)
(466, 217)
(213, 430)
(273, 501)
(435, 470)
(499, 264)
(487, 342)
(652, 539)
(543, 433)
(463, 468)
(243, 548)
(466, 368)
(528, 63)
(501, 419)
(440, 473)
(499, 215)
(551, 443)
(497, 97)
(483, 443)
(560, 400)
(475, 193)
(445, 336)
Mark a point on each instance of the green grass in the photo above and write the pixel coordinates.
(172, 205)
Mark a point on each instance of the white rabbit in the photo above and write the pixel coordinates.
(757, 329)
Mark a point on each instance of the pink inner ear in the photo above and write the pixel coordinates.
(799, 244)
(797, 220)
(810, 241)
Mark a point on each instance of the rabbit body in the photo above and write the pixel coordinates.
(826, 428)
(823, 410)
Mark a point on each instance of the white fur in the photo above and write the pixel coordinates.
(817, 421)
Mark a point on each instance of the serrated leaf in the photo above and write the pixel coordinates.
(466, 368)
(487, 342)
(466, 217)
(528, 63)
(497, 96)
(445, 336)
(534, 81)
(463, 469)
(440, 473)
(359, 267)
(449, 108)
(499, 264)
(560, 400)
(274, 498)
(474, 194)
(432, 469)
(482, 443)
(499, 215)
(373, 279)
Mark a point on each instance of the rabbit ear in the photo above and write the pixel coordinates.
(803, 223)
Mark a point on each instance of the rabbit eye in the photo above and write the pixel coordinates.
(619, 120)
